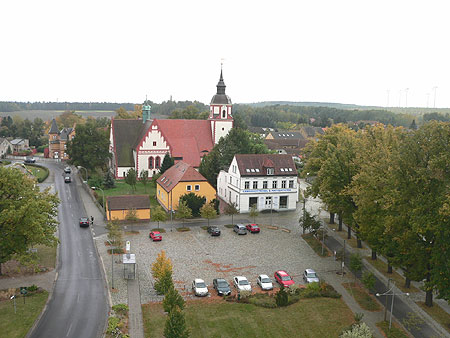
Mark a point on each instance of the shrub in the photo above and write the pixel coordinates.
(355, 262)
(131, 215)
(32, 288)
(358, 331)
(244, 294)
(368, 279)
(113, 322)
(281, 297)
(41, 149)
(263, 300)
(120, 308)
(183, 229)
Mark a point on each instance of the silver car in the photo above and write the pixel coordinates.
(310, 276)
(240, 229)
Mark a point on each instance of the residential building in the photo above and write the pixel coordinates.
(120, 207)
(141, 144)
(4, 146)
(57, 141)
(268, 181)
(181, 179)
(19, 145)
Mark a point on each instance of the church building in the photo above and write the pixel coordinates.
(141, 144)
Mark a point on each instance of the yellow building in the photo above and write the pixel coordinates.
(119, 207)
(178, 180)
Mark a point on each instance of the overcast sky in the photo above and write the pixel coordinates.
(328, 51)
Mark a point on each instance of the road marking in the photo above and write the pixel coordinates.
(70, 328)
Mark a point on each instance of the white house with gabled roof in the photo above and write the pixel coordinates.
(268, 181)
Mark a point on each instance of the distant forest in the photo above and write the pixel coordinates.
(282, 115)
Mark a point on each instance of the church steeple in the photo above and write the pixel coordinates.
(221, 84)
(146, 108)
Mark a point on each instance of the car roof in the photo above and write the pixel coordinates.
(83, 218)
(221, 280)
(156, 232)
(282, 273)
(240, 278)
(310, 271)
(198, 280)
(240, 225)
(254, 225)
(263, 276)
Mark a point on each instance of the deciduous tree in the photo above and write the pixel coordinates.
(231, 209)
(183, 211)
(159, 215)
(27, 215)
(194, 202)
(131, 179)
(208, 211)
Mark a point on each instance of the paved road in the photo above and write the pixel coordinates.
(78, 307)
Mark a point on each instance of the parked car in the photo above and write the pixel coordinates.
(67, 179)
(283, 278)
(253, 228)
(240, 229)
(67, 170)
(222, 287)
(155, 236)
(84, 222)
(310, 276)
(264, 282)
(241, 283)
(199, 287)
(30, 159)
(213, 230)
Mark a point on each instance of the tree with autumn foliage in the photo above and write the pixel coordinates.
(162, 272)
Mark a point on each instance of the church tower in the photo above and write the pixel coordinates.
(220, 112)
(146, 108)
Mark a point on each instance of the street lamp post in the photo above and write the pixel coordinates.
(81, 167)
(103, 195)
(112, 263)
(391, 292)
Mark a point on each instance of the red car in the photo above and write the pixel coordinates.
(155, 236)
(283, 278)
(253, 228)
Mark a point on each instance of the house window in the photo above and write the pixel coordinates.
(234, 169)
(189, 187)
(157, 162)
(270, 171)
(283, 202)
(231, 180)
(246, 185)
(150, 162)
(154, 143)
(283, 184)
(197, 187)
(264, 184)
(255, 184)
(291, 184)
(269, 202)
(274, 184)
(224, 113)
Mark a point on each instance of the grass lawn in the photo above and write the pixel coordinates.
(317, 317)
(438, 314)
(38, 172)
(362, 297)
(14, 325)
(124, 189)
(46, 256)
(399, 280)
(394, 332)
(316, 245)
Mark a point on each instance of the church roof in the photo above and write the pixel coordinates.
(179, 172)
(221, 97)
(188, 139)
(126, 134)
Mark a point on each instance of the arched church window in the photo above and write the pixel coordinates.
(150, 162)
(157, 162)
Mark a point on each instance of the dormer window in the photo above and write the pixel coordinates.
(270, 171)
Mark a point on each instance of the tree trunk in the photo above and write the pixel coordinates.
(331, 217)
(340, 223)
(349, 232)
(374, 255)
(389, 268)
(358, 243)
(429, 298)
(407, 283)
